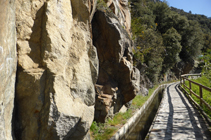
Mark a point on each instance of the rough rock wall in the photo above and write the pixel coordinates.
(7, 67)
(118, 81)
(57, 69)
(121, 9)
(58, 66)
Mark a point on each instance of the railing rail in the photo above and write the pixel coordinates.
(201, 87)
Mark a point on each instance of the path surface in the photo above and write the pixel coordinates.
(177, 119)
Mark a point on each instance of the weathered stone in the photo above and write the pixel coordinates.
(123, 109)
(144, 91)
(121, 10)
(57, 70)
(104, 101)
(8, 62)
(145, 82)
(116, 65)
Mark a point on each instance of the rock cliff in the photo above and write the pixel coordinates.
(57, 69)
(118, 81)
(8, 62)
(69, 69)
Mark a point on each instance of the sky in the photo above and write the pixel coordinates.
(202, 7)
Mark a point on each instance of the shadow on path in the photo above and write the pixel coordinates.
(197, 131)
(169, 128)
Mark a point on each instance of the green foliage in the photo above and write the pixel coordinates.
(162, 11)
(171, 41)
(100, 131)
(192, 40)
(152, 45)
(164, 36)
(206, 95)
(137, 28)
(207, 43)
(95, 128)
(101, 3)
(205, 23)
(121, 118)
(139, 100)
(207, 65)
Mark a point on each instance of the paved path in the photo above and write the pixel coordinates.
(177, 119)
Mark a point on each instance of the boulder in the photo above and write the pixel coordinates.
(144, 91)
(145, 81)
(8, 63)
(57, 70)
(123, 109)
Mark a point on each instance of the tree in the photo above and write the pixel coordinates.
(207, 65)
(192, 41)
(152, 43)
(171, 41)
(207, 43)
(161, 10)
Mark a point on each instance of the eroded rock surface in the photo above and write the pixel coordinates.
(57, 69)
(8, 62)
(121, 10)
(118, 80)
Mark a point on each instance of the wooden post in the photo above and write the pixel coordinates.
(183, 82)
(190, 87)
(201, 95)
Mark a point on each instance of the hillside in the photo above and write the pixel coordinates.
(205, 22)
(167, 39)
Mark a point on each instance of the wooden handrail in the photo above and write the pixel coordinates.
(200, 96)
(198, 74)
(200, 85)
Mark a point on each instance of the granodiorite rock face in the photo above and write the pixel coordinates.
(118, 80)
(121, 10)
(57, 68)
(8, 62)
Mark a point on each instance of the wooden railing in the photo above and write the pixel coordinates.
(201, 87)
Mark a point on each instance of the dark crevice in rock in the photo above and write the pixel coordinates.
(16, 125)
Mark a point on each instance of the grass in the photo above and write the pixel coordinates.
(206, 94)
(100, 131)
(139, 100)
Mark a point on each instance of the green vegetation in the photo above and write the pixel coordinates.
(206, 95)
(139, 100)
(101, 3)
(100, 131)
(207, 65)
(164, 36)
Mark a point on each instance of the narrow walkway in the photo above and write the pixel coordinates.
(177, 119)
